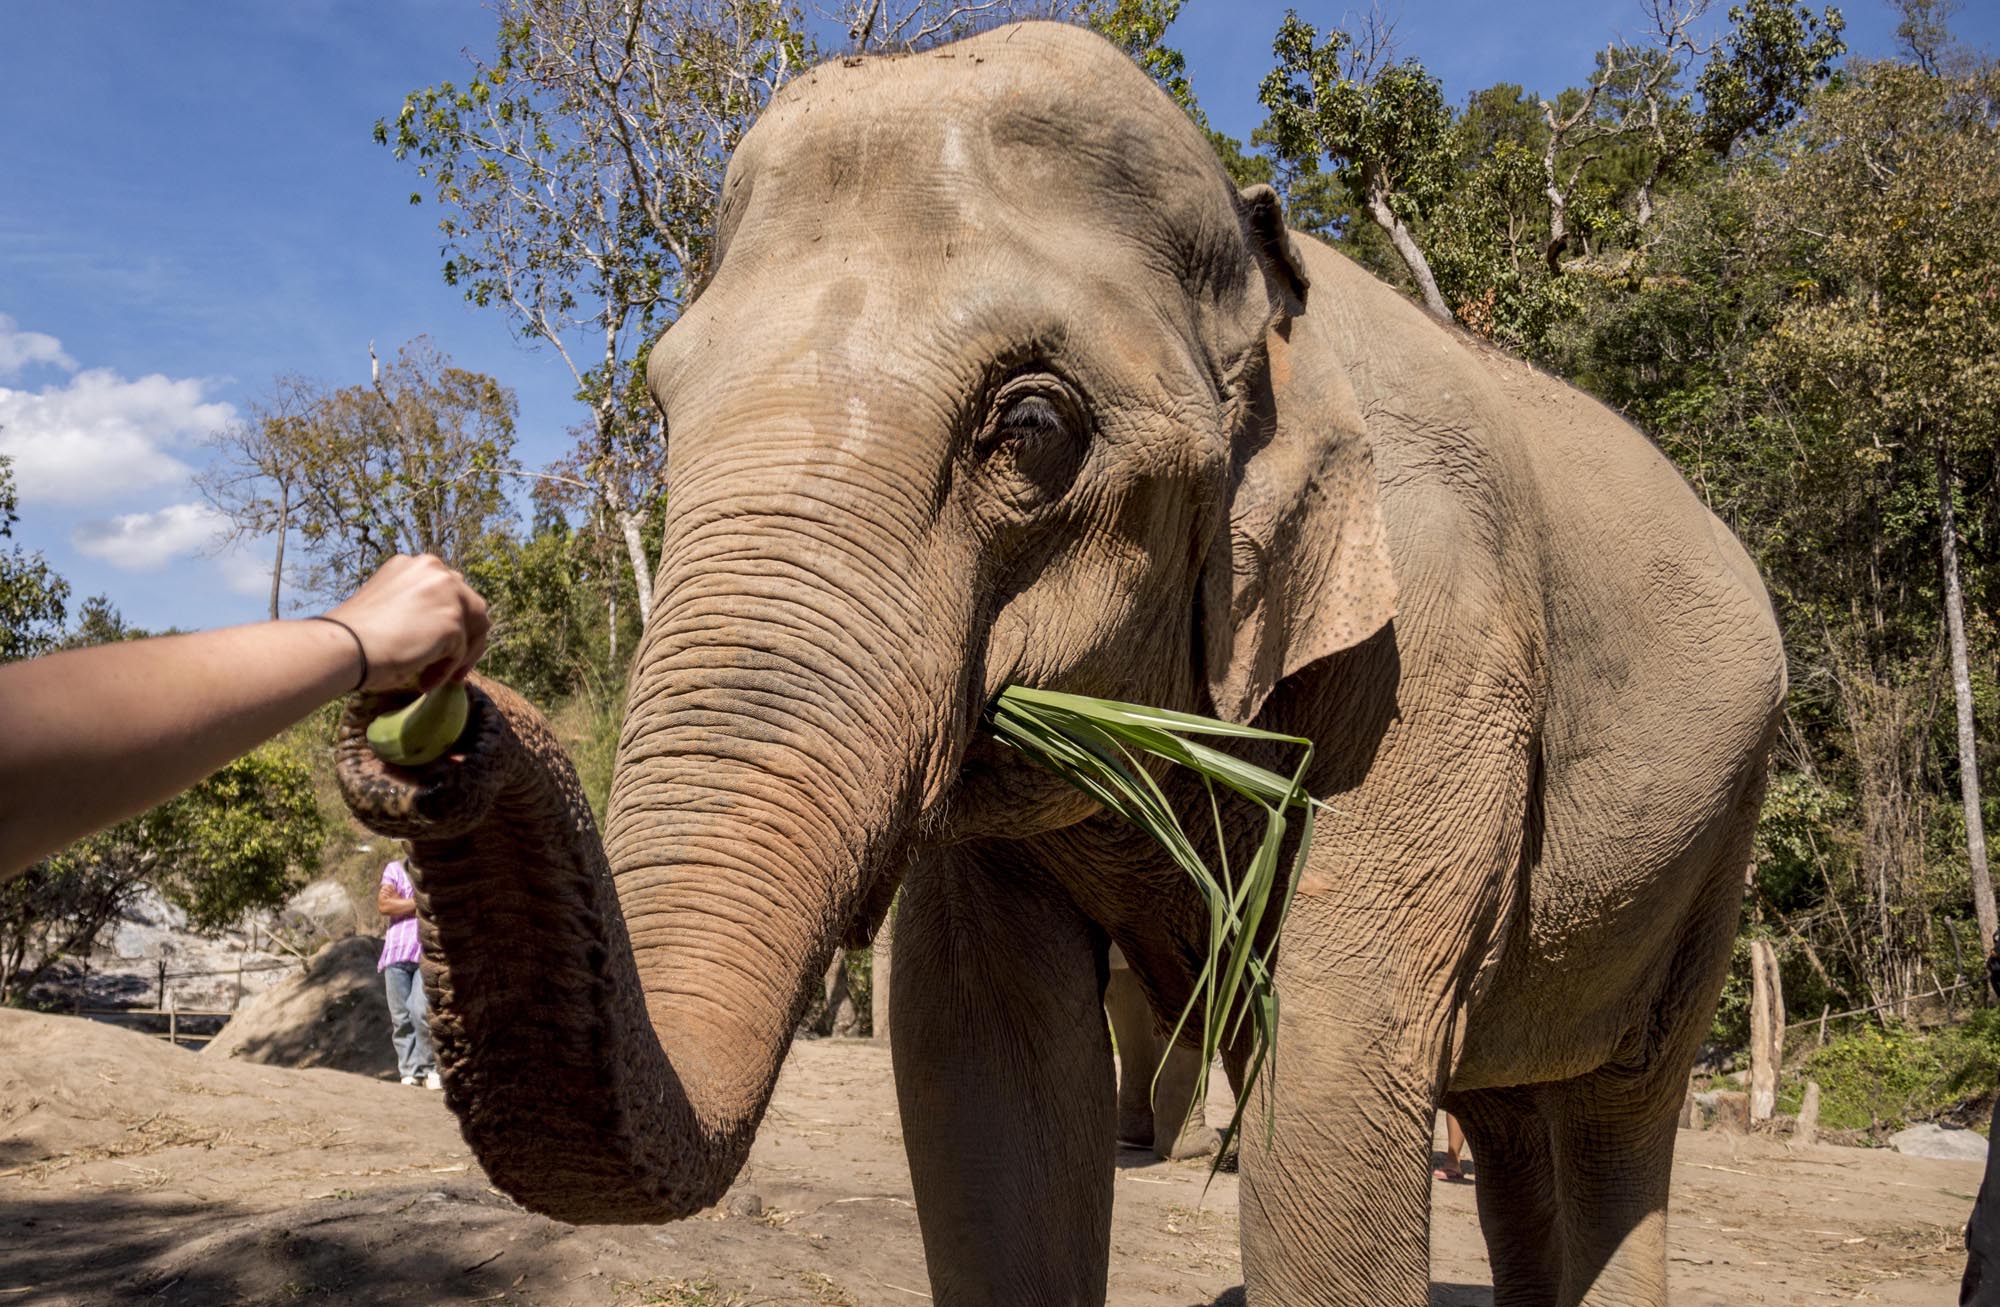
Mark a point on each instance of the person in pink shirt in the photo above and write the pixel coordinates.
(402, 978)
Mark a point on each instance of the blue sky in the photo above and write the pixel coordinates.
(191, 204)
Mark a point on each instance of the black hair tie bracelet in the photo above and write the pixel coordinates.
(357, 647)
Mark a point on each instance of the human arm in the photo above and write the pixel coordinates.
(393, 905)
(89, 737)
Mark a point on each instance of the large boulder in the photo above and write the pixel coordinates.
(333, 1014)
(322, 910)
(1940, 1142)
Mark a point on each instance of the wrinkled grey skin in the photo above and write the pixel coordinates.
(998, 380)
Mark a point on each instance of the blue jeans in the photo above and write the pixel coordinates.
(409, 1017)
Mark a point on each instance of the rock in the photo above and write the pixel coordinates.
(1722, 1109)
(321, 910)
(1939, 1142)
(745, 1204)
(333, 1015)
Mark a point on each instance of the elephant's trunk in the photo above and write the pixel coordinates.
(611, 1031)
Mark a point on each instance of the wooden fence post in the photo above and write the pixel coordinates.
(1767, 1029)
(1807, 1130)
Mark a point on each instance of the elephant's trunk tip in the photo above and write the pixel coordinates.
(438, 800)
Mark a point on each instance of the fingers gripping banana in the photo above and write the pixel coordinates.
(422, 729)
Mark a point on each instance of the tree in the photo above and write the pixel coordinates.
(1923, 34)
(579, 170)
(1888, 188)
(900, 26)
(32, 595)
(1807, 327)
(98, 621)
(240, 841)
(257, 477)
(552, 636)
(414, 463)
(1383, 129)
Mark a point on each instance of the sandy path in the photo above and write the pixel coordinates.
(130, 1171)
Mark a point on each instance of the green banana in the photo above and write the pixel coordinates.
(422, 729)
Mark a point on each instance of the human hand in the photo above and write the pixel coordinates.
(418, 622)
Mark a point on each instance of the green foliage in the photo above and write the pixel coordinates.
(547, 596)
(1386, 137)
(1485, 248)
(1096, 745)
(1139, 27)
(1885, 1077)
(32, 595)
(578, 170)
(1801, 831)
(1876, 1076)
(98, 621)
(588, 726)
(244, 839)
(1769, 61)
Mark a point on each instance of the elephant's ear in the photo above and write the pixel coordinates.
(1301, 568)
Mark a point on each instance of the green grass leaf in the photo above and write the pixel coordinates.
(1098, 745)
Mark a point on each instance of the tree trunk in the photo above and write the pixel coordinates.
(841, 1017)
(1961, 693)
(1413, 257)
(284, 526)
(1807, 1130)
(1767, 1029)
(642, 573)
(630, 520)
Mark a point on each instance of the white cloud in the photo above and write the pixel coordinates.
(246, 571)
(100, 436)
(20, 348)
(145, 542)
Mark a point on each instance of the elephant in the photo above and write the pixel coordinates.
(995, 378)
(1157, 1110)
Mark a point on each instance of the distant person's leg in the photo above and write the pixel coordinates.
(1454, 1145)
(400, 979)
(420, 1042)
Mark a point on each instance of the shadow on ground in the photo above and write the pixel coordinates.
(67, 1252)
(1442, 1295)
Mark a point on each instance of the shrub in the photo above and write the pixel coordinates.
(1886, 1077)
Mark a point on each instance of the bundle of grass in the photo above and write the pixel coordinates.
(1096, 745)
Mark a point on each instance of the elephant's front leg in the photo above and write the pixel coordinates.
(1336, 1156)
(1384, 934)
(1003, 1073)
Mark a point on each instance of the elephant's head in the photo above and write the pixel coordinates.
(993, 382)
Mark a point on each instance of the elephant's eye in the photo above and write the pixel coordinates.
(1030, 411)
(1034, 439)
(1032, 415)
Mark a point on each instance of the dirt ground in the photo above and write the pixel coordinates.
(131, 1171)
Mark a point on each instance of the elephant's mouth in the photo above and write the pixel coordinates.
(999, 793)
(441, 798)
